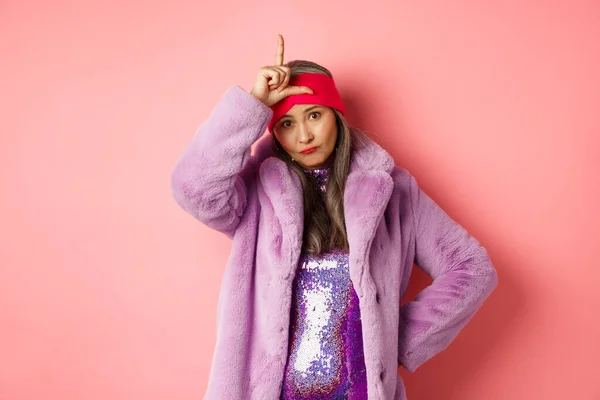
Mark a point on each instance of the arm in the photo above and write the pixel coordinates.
(209, 180)
(463, 277)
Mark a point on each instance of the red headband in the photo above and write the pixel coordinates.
(324, 93)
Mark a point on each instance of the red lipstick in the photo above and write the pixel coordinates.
(309, 150)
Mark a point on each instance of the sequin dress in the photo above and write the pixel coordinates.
(325, 355)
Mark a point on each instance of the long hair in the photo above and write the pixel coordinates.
(324, 223)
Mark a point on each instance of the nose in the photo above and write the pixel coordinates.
(304, 134)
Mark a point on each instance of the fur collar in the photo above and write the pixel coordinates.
(368, 189)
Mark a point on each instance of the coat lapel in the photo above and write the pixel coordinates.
(284, 193)
(366, 195)
(368, 189)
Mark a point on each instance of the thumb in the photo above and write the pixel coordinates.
(290, 90)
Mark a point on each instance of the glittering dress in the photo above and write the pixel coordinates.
(325, 358)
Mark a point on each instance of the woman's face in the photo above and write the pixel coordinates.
(307, 126)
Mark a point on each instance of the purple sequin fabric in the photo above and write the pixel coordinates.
(325, 357)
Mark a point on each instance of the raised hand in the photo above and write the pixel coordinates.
(271, 84)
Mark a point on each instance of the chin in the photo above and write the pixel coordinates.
(314, 163)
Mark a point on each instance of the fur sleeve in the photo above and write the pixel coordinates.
(463, 277)
(210, 179)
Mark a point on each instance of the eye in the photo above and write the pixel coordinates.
(315, 113)
(283, 124)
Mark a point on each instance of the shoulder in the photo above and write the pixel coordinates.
(403, 179)
(405, 191)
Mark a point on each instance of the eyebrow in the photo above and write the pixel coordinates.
(305, 111)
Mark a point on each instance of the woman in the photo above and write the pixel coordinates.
(325, 232)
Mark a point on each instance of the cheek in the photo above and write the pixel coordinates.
(329, 130)
(286, 142)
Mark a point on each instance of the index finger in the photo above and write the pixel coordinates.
(279, 54)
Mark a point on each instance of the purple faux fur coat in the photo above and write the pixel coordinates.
(256, 200)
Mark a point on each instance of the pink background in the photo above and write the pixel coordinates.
(108, 289)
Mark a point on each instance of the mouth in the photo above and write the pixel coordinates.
(309, 150)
